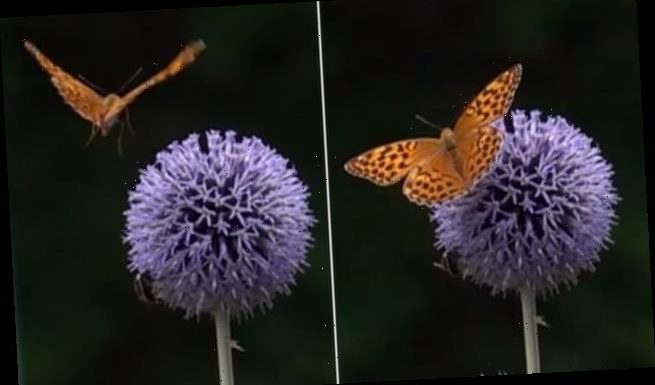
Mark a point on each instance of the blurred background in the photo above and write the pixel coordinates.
(77, 317)
(398, 316)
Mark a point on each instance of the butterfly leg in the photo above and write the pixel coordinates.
(120, 140)
(128, 122)
(94, 132)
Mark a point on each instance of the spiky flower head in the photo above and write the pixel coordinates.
(218, 224)
(539, 217)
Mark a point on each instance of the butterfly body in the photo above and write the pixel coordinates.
(103, 111)
(448, 139)
(106, 118)
(439, 169)
(449, 145)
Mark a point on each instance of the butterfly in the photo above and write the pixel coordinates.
(103, 111)
(440, 169)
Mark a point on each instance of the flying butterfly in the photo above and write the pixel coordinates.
(439, 169)
(103, 111)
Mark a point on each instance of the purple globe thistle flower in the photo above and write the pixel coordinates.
(218, 225)
(539, 217)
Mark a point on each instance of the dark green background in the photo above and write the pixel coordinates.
(398, 316)
(78, 320)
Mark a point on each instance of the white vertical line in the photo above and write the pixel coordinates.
(327, 191)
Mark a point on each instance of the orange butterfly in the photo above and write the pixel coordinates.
(103, 112)
(439, 169)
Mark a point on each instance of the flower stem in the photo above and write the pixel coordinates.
(224, 347)
(529, 309)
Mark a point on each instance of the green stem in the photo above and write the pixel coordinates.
(224, 347)
(531, 339)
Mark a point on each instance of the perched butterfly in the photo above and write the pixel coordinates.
(439, 169)
(103, 112)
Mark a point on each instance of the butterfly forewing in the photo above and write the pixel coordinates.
(477, 142)
(492, 102)
(387, 164)
(187, 56)
(86, 102)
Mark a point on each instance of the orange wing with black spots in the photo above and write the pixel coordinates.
(438, 170)
(387, 164)
(477, 142)
(434, 181)
(479, 153)
(492, 102)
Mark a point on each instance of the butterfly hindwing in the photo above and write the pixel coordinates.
(434, 180)
(387, 164)
(479, 151)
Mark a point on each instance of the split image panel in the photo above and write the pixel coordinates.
(524, 152)
(78, 317)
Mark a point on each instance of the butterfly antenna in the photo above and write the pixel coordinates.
(425, 121)
(89, 83)
(120, 140)
(138, 71)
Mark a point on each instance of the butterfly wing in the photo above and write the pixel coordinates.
(491, 103)
(86, 102)
(477, 142)
(387, 164)
(478, 151)
(187, 56)
(434, 180)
